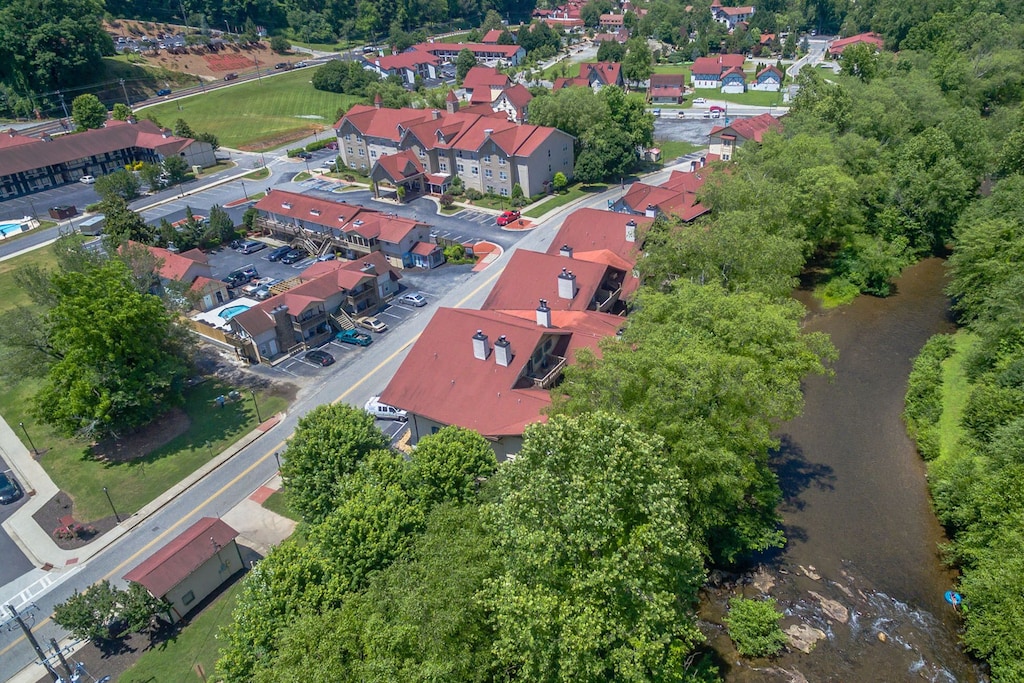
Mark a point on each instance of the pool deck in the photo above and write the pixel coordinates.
(213, 317)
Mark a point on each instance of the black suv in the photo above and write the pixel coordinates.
(293, 256)
(236, 278)
(277, 253)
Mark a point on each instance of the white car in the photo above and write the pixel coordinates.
(699, 100)
(414, 299)
(382, 411)
(368, 322)
(87, 179)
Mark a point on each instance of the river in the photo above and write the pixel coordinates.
(862, 563)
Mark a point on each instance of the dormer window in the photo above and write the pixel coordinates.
(286, 205)
(314, 212)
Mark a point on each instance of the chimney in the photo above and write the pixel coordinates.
(631, 231)
(487, 133)
(566, 285)
(377, 101)
(566, 251)
(544, 314)
(651, 211)
(481, 349)
(435, 115)
(368, 268)
(451, 103)
(503, 352)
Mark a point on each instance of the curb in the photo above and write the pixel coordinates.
(86, 552)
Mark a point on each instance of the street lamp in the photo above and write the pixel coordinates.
(116, 516)
(243, 189)
(35, 450)
(277, 457)
(256, 405)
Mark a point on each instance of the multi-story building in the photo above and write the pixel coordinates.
(490, 55)
(724, 140)
(730, 16)
(30, 164)
(486, 150)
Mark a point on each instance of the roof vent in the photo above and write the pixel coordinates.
(503, 352)
(357, 223)
(314, 212)
(651, 211)
(566, 285)
(566, 251)
(487, 132)
(631, 231)
(286, 205)
(481, 348)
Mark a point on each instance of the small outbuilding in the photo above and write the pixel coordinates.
(191, 567)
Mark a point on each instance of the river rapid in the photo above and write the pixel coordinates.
(861, 574)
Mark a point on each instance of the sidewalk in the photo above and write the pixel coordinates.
(38, 545)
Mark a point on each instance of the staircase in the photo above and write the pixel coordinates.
(341, 321)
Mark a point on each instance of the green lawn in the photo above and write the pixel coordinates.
(278, 502)
(255, 116)
(955, 391)
(454, 38)
(258, 175)
(574, 192)
(753, 98)
(176, 659)
(671, 149)
(131, 485)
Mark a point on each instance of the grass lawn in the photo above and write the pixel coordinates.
(278, 502)
(221, 166)
(955, 391)
(563, 68)
(454, 38)
(255, 116)
(175, 660)
(672, 69)
(494, 202)
(301, 176)
(574, 192)
(671, 149)
(258, 175)
(134, 484)
(753, 98)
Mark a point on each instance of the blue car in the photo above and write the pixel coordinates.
(163, 91)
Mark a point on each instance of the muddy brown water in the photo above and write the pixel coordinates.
(861, 532)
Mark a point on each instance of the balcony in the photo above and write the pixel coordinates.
(552, 373)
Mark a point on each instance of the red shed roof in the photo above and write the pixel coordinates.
(176, 561)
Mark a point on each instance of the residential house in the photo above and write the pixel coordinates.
(708, 72)
(666, 88)
(595, 75)
(492, 36)
(836, 47)
(491, 371)
(768, 79)
(677, 197)
(190, 268)
(620, 37)
(489, 55)
(730, 16)
(486, 150)
(514, 102)
(724, 140)
(30, 164)
(567, 284)
(405, 65)
(734, 80)
(191, 567)
(611, 22)
(327, 299)
(483, 84)
(321, 226)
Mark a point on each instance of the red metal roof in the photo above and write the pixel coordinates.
(405, 60)
(176, 561)
(594, 229)
(530, 276)
(491, 37)
(753, 128)
(836, 47)
(312, 210)
(484, 76)
(425, 248)
(400, 166)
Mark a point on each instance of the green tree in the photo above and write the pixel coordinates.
(636, 65)
(122, 224)
(591, 12)
(89, 615)
(754, 627)
(280, 45)
(150, 174)
(450, 465)
(177, 168)
(559, 182)
(601, 569)
(589, 167)
(249, 218)
(463, 63)
(328, 445)
(221, 225)
(610, 51)
(182, 129)
(210, 138)
(682, 369)
(111, 373)
(492, 20)
(121, 112)
(121, 183)
(88, 112)
(860, 60)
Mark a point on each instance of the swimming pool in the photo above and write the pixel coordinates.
(7, 228)
(231, 311)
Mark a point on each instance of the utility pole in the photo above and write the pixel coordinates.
(32, 639)
(127, 99)
(64, 106)
(60, 656)
(257, 63)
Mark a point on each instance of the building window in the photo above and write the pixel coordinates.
(188, 598)
(461, 168)
(475, 170)
(549, 168)
(373, 154)
(362, 153)
(487, 173)
(349, 150)
(443, 165)
(501, 161)
(504, 192)
(490, 189)
(502, 175)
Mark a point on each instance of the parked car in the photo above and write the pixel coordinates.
(304, 155)
(332, 145)
(230, 77)
(699, 100)
(329, 256)
(262, 294)
(299, 65)
(382, 411)
(87, 179)
(278, 253)
(281, 65)
(252, 246)
(414, 299)
(369, 322)
(508, 217)
(656, 112)
(354, 337)
(319, 357)
(163, 92)
(249, 271)
(261, 283)
(293, 256)
(235, 279)
(9, 489)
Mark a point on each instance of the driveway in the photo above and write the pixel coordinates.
(14, 562)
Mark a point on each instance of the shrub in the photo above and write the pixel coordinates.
(473, 193)
(754, 627)
(456, 253)
(517, 191)
(560, 182)
(314, 146)
(294, 152)
(924, 395)
(519, 202)
(447, 200)
(456, 190)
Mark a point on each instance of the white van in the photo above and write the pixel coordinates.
(382, 411)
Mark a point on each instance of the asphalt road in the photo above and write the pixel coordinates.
(361, 375)
(12, 562)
